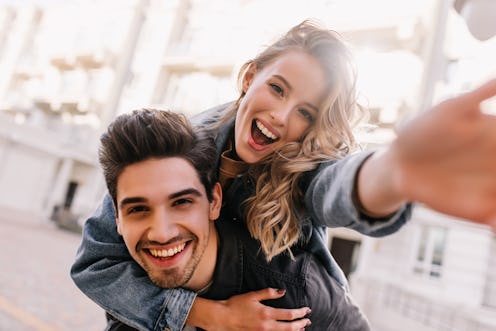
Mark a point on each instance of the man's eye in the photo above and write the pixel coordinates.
(306, 114)
(137, 209)
(276, 88)
(179, 202)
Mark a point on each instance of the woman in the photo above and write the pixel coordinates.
(286, 168)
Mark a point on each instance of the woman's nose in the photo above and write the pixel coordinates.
(280, 116)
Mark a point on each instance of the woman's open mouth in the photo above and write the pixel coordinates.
(261, 134)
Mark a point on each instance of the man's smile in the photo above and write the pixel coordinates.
(162, 253)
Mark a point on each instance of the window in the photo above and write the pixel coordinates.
(430, 251)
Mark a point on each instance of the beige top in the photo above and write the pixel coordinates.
(230, 168)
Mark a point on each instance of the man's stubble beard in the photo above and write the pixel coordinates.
(173, 278)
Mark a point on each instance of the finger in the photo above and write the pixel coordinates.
(284, 314)
(291, 326)
(481, 93)
(267, 294)
(492, 223)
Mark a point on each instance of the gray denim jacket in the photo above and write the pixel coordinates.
(106, 273)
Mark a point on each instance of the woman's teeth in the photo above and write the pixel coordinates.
(265, 131)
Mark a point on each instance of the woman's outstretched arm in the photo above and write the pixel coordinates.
(444, 158)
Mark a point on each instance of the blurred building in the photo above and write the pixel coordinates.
(69, 67)
(436, 274)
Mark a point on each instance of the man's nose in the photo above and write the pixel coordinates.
(162, 227)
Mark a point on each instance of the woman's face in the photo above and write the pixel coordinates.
(281, 101)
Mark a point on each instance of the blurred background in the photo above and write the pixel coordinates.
(67, 68)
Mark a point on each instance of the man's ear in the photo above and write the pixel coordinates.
(117, 220)
(216, 203)
(249, 75)
(119, 225)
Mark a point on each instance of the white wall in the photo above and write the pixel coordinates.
(490, 290)
(26, 177)
(467, 262)
(392, 294)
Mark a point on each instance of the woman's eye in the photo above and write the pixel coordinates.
(306, 114)
(276, 88)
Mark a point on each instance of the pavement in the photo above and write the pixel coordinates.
(36, 291)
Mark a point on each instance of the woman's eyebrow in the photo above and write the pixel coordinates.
(281, 78)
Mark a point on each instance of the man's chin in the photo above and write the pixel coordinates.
(167, 280)
(170, 278)
(165, 284)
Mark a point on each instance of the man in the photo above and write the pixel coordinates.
(161, 178)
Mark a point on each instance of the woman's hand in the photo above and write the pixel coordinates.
(446, 157)
(246, 312)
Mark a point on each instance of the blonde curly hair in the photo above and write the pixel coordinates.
(272, 212)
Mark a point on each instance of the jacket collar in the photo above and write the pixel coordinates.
(228, 274)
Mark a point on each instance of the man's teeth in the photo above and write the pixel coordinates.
(265, 131)
(167, 252)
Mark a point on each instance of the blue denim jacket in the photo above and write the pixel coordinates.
(106, 273)
(242, 267)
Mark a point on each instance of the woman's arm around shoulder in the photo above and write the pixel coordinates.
(246, 312)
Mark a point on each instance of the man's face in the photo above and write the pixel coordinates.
(166, 221)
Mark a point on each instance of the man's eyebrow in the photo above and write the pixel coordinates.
(131, 200)
(127, 201)
(282, 79)
(187, 191)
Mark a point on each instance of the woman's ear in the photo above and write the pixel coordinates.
(216, 203)
(248, 76)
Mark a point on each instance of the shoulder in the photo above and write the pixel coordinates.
(211, 115)
(342, 167)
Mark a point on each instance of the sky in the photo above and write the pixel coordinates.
(19, 3)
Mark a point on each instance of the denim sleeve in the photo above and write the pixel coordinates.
(329, 200)
(107, 274)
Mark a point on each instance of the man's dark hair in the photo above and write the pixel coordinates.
(149, 133)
